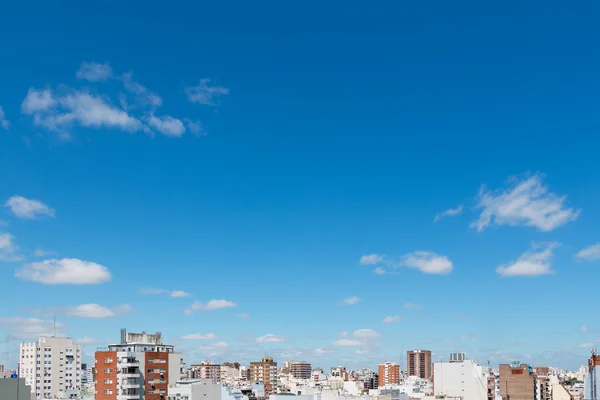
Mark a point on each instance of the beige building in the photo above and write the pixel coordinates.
(265, 372)
(51, 366)
(206, 370)
(517, 382)
(300, 369)
(418, 363)
(464, 378)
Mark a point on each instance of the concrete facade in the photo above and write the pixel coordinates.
(15, 389)
(460, 379)
(418, 363)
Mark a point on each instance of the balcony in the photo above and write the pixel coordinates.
(130, 385)
(126, 375)
(129, 396)
(129, 362)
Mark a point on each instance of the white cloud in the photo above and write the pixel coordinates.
(370, 259)
(198, 336)
(60, 112)
(590, 253)
(195, 127)
(144, 97)
(366, 334)
(535, 262)
(65, 271)
(343, 334)
(584, 329)
(322, 350)
(213, 304)
(92, 310)
(84, 341)
(586, 345)
(428, 262)
(31, 328)
(179, 293)
(361, 352)
(270, 338)
(152, 291)
(392, 319)
(448, 213)
(215, 346)
(3, 121)
(244, 315)
(527, 203)
(412, 306)
(8, 249)
(206, 93)
(350, 301)
(28, 208)
(347, 343)
(380, 271)
(38, 252)
(94, 72)
(167, 125)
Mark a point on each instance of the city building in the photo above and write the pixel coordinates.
(206, 370)
(518, 382)
(300, 369)
(370, 381)
(590, 381)
(51, 366)
(205, 389)
(389, 373)
(265, 372)
(460, 378)
(339, 373)
(418, 363)
(140, 367)
(14, 388)
(1, 368)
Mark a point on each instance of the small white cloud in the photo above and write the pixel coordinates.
(322, 350)
(188, 311)
(215, 346)
(206, 93)
(380, 271)
(270, 338)
(3, 121)
(179, 293)
(392, 319)
(28, 208)
(152, 291)
(65, 271)
(90, 311)
(448, 213)
(350, 301)
(123, 308)
(370, 259)
(43, 253)
(584, 329)
(8, 249)
(590, 253)
(213, 304)
(428, 262)
(343, 334)
(198, 336)
(94, 72)
(412, 306)
(527, 203)
(361, 352)
(347, 343)
(586, 345)
(167, 125)
(244, 315)
(366, 334)
(195, 127)
(31, 328)
(144, 97)
(535, 262)
(85, 341)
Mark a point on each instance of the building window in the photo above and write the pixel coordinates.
(107, 391)
(108, 370)
(108, 360)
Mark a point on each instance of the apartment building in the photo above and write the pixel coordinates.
(339, 373)
(265, 372)
(418, 363)
(51, 366)
(140, 367)
(206, 370)
(518, 382)
(591, 386)
(388, 373)
(460, 377)
(300, 369)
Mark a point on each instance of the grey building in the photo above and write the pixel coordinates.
(15, 388)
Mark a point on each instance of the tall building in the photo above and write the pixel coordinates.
(460, 377)
(206, 370)
(300, 369)
(339, 373)
(51, 366)
(418, 363)
(140, 367)
(265, 372)
(590, 380)
(518, 382)
(389, 373)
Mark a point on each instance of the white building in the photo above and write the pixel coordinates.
(465, 379)
(51, 366)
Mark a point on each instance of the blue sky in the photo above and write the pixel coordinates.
(266, 177)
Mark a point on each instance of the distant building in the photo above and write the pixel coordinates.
(51, 366)
(339, 373)
(206, 370)
(418, 363)
(590, 381)
(389, 373)
(300, 369)
(518, 382)
(370, 381)
(265, 372)
(15, 388)
(1, 368)
(463, 378)
(204, 389)
(140, 367)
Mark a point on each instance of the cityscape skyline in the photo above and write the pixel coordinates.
(334, 185)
